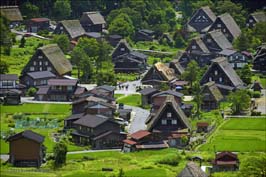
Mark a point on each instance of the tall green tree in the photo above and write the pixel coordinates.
(240, 100)
(122, 25)
(77, 55)
(245, 74)
(62, 41)
(60, 152)
(253, 166)
(197, 98)
(62, 9)
(5, 36)
(191, 73)
(30, 10)
(106, 74)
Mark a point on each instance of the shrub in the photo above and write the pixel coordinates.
(172, 160)
(43, 32)
(31, 91)
(11, 125)
(256, 94)
(255, 113)
(18, 116)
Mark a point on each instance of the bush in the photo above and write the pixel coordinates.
(31, 91)
(43, 32)
(11, 125)
(256, 94)
(172, 160)
(255, 113)
(18, 116)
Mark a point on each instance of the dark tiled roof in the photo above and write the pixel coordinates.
(115, 36)
(95, 17)
(169, 101)
(106, 87)
(147, 31)
(192, 170)
(259, 16)
(8, 77)
(41, 74)
(256, 84)
(93, 35)
(220, 39)
(230, 23)
(169, 92)
(80, 90)
(148, 91)
(57, 58)
(157, 145)
(43, 90)
(140, 134)
(225, 153)
(29, 135)
(73, 27)
(75, 116)
(91, 121)
(105, 134)
(227, 52)
(127, 141)
(138, 55)
(105, 104)
(62, 82)
(12, 13)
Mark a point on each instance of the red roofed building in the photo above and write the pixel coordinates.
(37, 24)
(141, 140)
(225, 161)
(202, 127)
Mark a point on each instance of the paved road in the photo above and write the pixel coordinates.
(138, 119)
(131, 88)
(31, 34)
(262, 102)
(30, 100)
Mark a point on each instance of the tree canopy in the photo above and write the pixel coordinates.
(240, 101)
(62, 9)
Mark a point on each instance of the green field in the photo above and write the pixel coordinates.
(33, 111)
(243, 135)
(132, 100)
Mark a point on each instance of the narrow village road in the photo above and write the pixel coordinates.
(138, 119)
(262, 102)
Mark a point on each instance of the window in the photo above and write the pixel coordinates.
(215, 72)
(31, 68)
(7, 83)
(40, 57)
(40, 69)
(220, 79)
(219, 25)
(210, 79)
(40, 63)
(61, 27)
(46, 63)
(49, 69)
(34, 83)
(169, 114)
(34, 63)
(250, 20)
(193, 47)
(224, 30)
(174, 122)
(122, 49)
(164, 122)
(209, 40)
(69, 88)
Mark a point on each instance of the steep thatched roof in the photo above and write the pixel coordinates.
(164, 71)
(55, 55)
(192, 170)
(170, 101)
(259, 16)
(12, 13)
(73, 28)
(95, 17)
(230, 23)
(213, 89)
(220, 39)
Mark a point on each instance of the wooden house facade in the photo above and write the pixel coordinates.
(201, 20)
(224, 76)
(35, 25)
(92, 22)
(255, 18)
(225, 161)
(146, 95)
(145, 35)
(48, 58)
(211, 96)
(26, 149)
(98, 131)
(227, 25)
(36, 79)
(236, 59)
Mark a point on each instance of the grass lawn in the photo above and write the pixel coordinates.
(242, 135)
(132, 100)
(124, 77)
(37, 108)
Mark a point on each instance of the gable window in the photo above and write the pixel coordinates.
(46, 63)
(210, 79)
(49, 69)
(34, 63)
(220, 79)
(61, 27)
(164, 122)
(250, 20)
(174, 122)
(40, 63)
(193, 47)
(224, 30)
(122, 49)
(69, 88)
(169, 114)
(40, 57)
(215, 72)
(209, 40)
(31, 68)
(219, 25)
